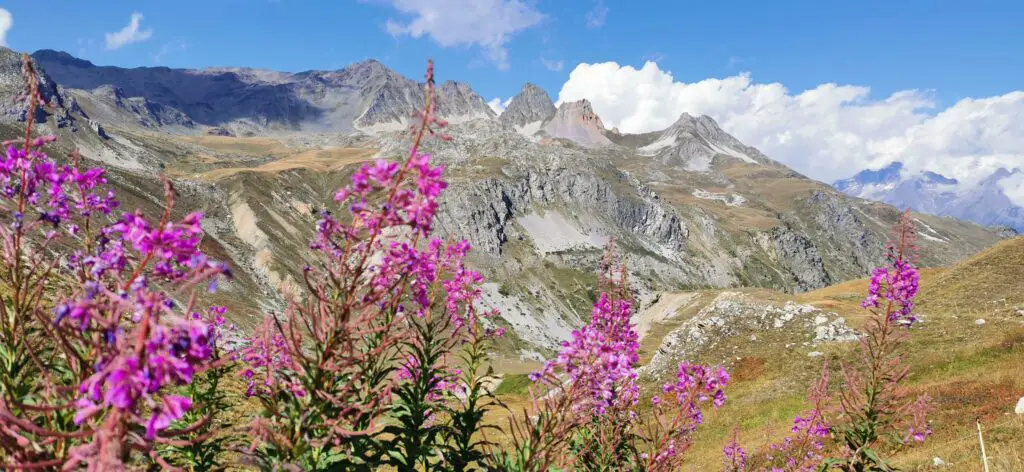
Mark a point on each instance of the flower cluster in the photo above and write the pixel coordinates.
(696, 384)
(898, 284)
(601, 355)
(267, 352)
(389, 309)
(119, 347)
(55, 191)
(802, 451)
(734, 457)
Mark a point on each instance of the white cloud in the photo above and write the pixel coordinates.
(129, 34)
(173, 46)
(828, 132)
(1013, 188)
(597, 15)
(553, 65)
(498, 105)
(6, 21)
(488, 24)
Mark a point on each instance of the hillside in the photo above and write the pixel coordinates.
(537, 194)
(774, 345)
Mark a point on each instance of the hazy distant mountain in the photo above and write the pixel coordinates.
(984, 202)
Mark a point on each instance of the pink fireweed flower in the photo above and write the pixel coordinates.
(695, 385)
(601, 355)
(801, 451)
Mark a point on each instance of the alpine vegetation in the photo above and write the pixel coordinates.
(115, 358)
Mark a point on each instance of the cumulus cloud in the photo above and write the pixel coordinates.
(827, 132)
(488, 24)
(6, 21)
(1013, 188)
(553, 65)
(597, 15)
(498, 105)
(129, 34)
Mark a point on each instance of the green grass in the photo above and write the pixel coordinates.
(514, 384)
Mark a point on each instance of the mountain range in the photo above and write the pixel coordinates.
(985, 202)
(538, 190)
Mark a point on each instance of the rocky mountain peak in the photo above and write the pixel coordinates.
(457, 102)
(702, 125)
(577, 122)
(531, 105)
(61, 57)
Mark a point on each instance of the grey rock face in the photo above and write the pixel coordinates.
(530, 105)
(484, 211)
(800, 256)
(457, 103)
(12, 87)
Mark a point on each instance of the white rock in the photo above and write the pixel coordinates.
(820, 319)
(1020, 407)
(979, 321)
(937, 462)
(753, 337)
(814, 354)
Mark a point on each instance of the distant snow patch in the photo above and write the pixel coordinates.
(728, 151)
(655, 147)
(928, 229)
(730, 200)
(386, 127)
(529, 129)
(552, 232)
(698, 163)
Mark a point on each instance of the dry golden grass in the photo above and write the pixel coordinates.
(241, 145)
(972, 372)
(318, 160)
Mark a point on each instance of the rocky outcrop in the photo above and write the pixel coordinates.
(12, 87)
(219, 132)
(799, 256)
(97, 128)
(576, 121)
(741, 316)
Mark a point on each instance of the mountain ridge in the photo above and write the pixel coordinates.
(690, 206)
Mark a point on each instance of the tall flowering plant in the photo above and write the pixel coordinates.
(874, 406)
(587, 415)
(382, 361)
(101, 330)
(848, 430)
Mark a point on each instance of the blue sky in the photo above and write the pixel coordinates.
(958, 49)
(826, 87)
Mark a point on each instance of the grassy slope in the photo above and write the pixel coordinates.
(971, 371)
